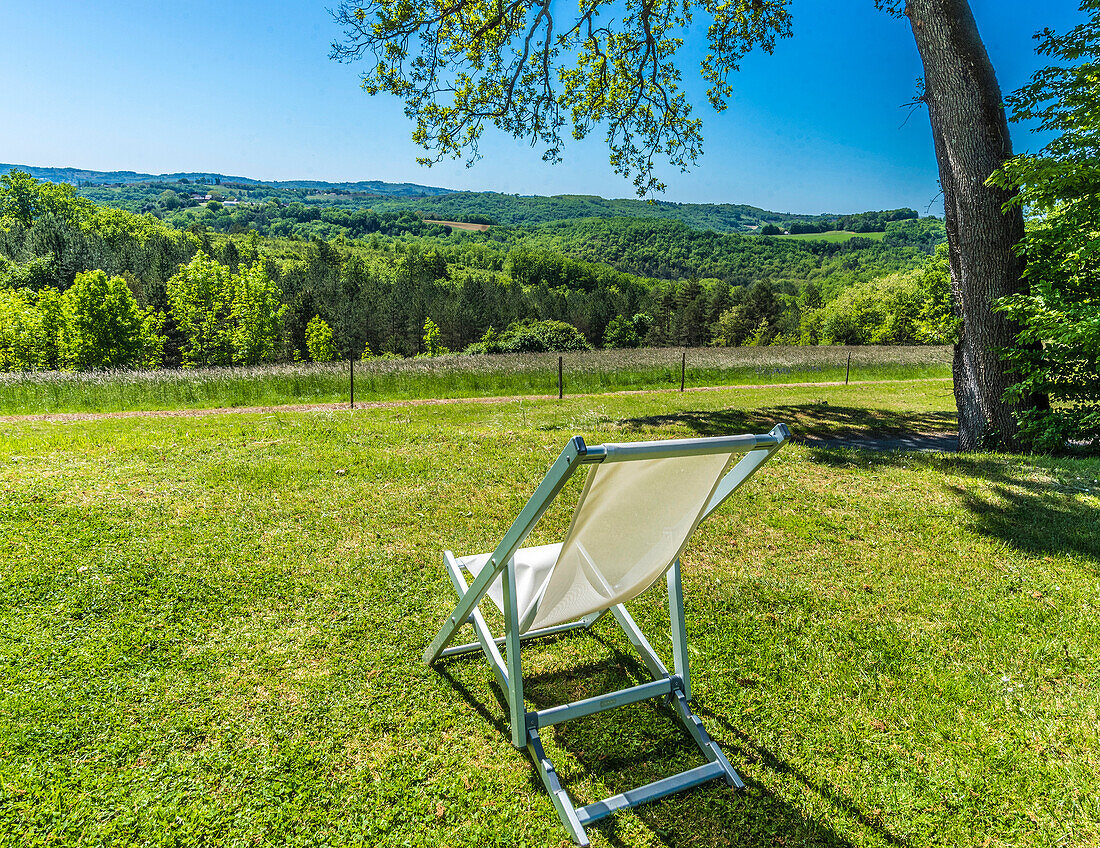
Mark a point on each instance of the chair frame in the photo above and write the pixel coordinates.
(675, 687)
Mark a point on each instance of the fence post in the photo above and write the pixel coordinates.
(683, 369)
(351, 380)
(848, 368)
(561, 385)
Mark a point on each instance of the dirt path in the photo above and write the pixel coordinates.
(72, 417)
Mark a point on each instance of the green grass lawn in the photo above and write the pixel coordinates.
(834, 236)
(212, 628)
(458, 376)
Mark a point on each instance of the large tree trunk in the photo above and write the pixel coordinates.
(971, 139)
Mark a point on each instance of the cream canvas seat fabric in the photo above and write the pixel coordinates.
(631, 522)
(636, 512)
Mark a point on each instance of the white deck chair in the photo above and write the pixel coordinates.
(639, 506)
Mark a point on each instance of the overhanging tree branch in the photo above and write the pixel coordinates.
(524, 66)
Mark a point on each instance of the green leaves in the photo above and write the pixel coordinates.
(101, 324)
(26, 340)
(199, 296)
(625, 332)
(255, 316)
(1057, 349)
(460, 65)
(432, 345)
(95, 324)
(319, 341)
(226, 318)
(23, 200)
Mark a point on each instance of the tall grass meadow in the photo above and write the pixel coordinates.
(457, 376)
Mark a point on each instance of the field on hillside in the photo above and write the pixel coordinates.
(463, 225)
(459, 376)
(212, 631)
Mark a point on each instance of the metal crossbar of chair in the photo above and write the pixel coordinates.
(538, 580)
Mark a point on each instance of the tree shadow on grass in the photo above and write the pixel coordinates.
(617, 750)
(1033, 505)
(1035, 519)
(820, 423)
(1037, 513)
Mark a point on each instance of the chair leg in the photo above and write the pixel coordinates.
(517, 713)
(485, 641)
(566, 811)
(640, 642)
(680, 698)
(679, 631)
(702, 739)
(575, 819)
(681, 691)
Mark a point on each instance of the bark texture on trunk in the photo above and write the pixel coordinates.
(971, 138)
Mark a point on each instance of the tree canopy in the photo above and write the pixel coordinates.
(1058, 345)
(94, 287)
(530, 71)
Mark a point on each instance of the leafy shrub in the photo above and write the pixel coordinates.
(95, 324)
(625, 333)
(1057, 354)
(908, 308)
(531, 337)
(255, 316)
(34, 274)
(28, 329)
(199, 303)
(490, 342)
(319, 341)
(101, 325)
(432, 345)
(225, 318)
(537, 336)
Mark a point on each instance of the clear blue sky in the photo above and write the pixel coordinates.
(246, 88)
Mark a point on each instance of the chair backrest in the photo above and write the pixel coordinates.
(634, 517)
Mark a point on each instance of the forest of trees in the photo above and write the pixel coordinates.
(195, 296)
(306, 209)
(175, 200)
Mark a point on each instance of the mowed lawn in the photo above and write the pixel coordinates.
(211, 629)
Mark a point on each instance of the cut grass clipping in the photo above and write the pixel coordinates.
(212, 632)
(459, 376)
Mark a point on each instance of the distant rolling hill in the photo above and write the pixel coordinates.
(82, 176)
(138, 192)
(517, 210)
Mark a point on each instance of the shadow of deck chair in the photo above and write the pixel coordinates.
(640, 504)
